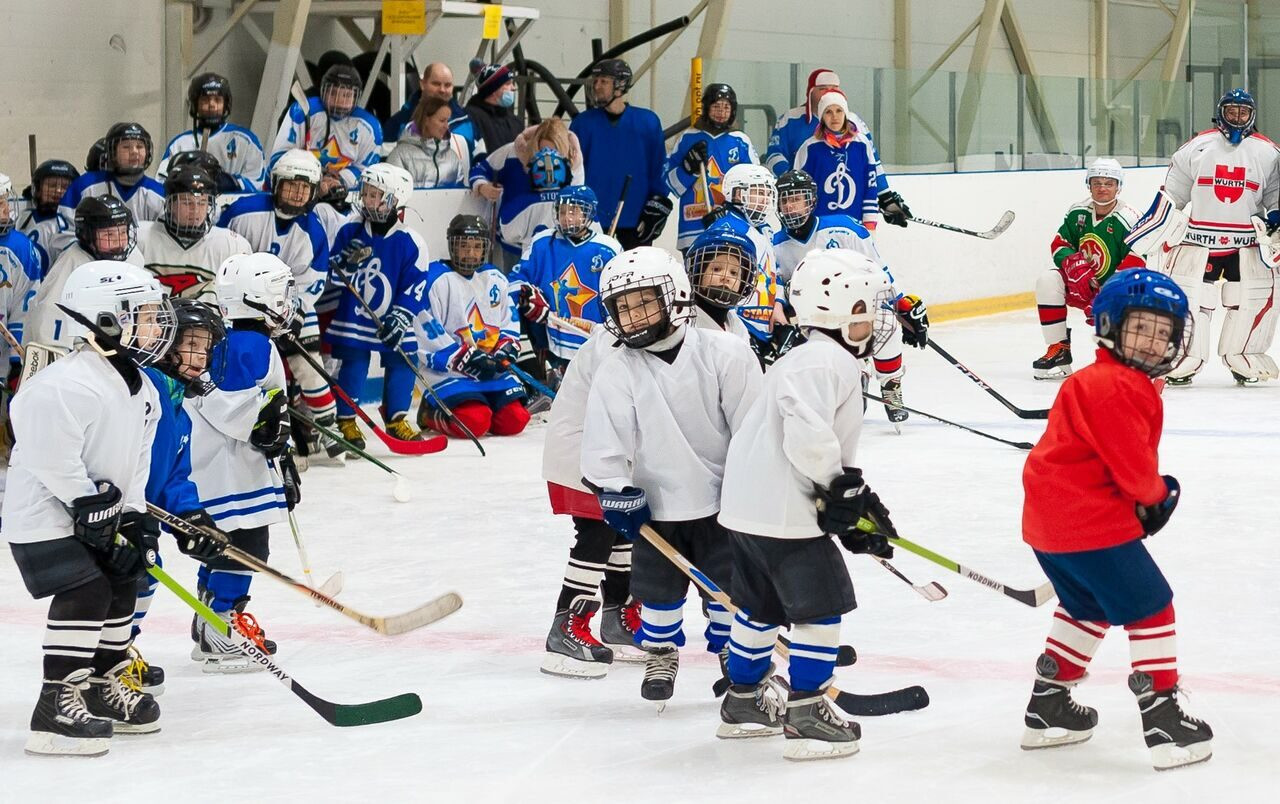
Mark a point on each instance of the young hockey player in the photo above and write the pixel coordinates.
(1093, 494)
(283, 222)
(74, 511)
(184, 248)
(49, 230)
(791, 483)
(237, 149)
(126, 156)
(467, 336)
(711, 146)
(657, 427)
(722, 269)
(1088, 248)
(749, 200)
(20, 267)
(239, 447)
(385, 262)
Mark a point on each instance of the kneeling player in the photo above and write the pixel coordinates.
(803, 433)
(1090, 502)
(658, 423)
(74, 511)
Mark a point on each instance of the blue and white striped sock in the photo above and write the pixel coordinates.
(661, 625)
(814, 647)
(719, 621)
(750, 646)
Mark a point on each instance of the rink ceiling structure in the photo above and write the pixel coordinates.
(495, 729)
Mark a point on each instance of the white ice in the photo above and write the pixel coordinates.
(495, 729)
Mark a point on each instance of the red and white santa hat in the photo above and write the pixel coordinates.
(833, 97)
(821, 77)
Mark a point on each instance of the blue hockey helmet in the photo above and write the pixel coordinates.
(548, 170)
(722, 267)
(582, 199)
(1236, 132)
(1134, 340)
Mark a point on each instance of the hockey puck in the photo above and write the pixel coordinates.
(402, 492)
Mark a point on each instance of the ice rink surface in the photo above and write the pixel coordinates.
(495, 729)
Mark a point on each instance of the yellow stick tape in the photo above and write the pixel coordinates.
(695, 90)
(971, 308)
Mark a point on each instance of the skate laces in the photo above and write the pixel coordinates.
(71, 700)
(662, 666)
(247, 625)
(120, 693)
(631, 617)
(133, 675)
(579, 628)
(1056, 349)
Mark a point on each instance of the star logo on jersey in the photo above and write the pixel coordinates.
(572, 292)
(1228, 183)
(714, 176)
(331, 156)
(477, 332)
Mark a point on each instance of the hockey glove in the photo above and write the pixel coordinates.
(1273, 221)
(474, 363)
(625, 511)
(226, 183)
(204, 547)
(1079, 279)
(915, 321)
(847, 500)
(291, 479)
(96, 517)
(270, 434)
(507, 350)
(394, 325)
(136, 547)
(714, 215)
(653, 218)
(695, 158)
(893, 208)
(1154, 517)
(348, 260)
(533, 305)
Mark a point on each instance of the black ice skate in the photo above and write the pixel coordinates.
(1174, 737)
(1052, 717)
(322, 450)
(130, 710)
(143, 675)
(891, 392)
(814, 729)
(1055, 363)
(750, 710)
(572, 651)
(618, 626)
(660, 675)
(61, 725)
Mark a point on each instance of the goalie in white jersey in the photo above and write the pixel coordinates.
(658, 422)
(1202, 229)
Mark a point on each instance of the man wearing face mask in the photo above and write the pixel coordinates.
(492, 108)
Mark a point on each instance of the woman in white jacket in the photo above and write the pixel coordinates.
(433, 155)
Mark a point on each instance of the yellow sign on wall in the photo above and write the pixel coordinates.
(404, 17)
(492, 22)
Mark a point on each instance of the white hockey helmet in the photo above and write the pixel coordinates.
(636, 269)
(1105, 168)
(124, 300)
(295, 165)
(9, 218)
(396, 185)
(752, 188)
(255, 286)
(828, 285)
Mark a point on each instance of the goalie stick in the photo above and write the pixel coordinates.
(1021, 413)
(1018, 444)
(336, 714)
(991, 234)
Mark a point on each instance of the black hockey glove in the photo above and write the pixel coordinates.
(135, 548)
(653, 218)
(345, 262)
(226, 182)
(270, 434)
(714, 215)
(291, 479)
(893, 208)
(533, 305)
(1155, 517)
(506, 350)
(843, 504)
(96, 517)
(474, 363)
(625, 511)
(394, 325)
(914, 317)
(204, 547)
(695, 158)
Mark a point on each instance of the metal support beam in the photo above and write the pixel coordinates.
(1101, 68)
(178, 20)
(901, 93)
(946, 54)
(1035, 98)
(715, 24)
(619, 21)
(287, 26)
(972, 95)
(232, 21)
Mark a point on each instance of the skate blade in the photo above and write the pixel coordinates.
(135, 728)
(737, 731)
(223, 664)
(1051, 374)
(555, 664)
(1034, 739)
(47, 744)
(627, 654)
(804, 750)
(1170, 756)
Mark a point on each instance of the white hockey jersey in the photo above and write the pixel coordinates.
(665, 428)
(802, 429)
(144, 198)
(187, 270)
(829, 231)
(50, 234)
(1225, 186)
(236, 148)
(45, 322)
(732, 324)
(75, 423)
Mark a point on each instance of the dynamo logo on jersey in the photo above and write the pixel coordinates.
(841, 187)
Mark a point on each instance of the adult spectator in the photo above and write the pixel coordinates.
(436, 82)
(433, 155)
(491, 109)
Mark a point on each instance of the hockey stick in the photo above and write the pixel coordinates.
(1032, 597)
(622, 200)
(990, 234)
(413, 366)
(1018, 444)
(1021, 413)
(429, 612)
(402, 492)
(528, 379)
(336, 714)
(32, 162)
(885, 703)
(931, 591)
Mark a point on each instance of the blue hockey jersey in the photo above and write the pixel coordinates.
(19, 283)
(569, 277)
(848, 175)
(169, 482)
(723, 152)
(50, 235)
(394, 274)
(612, 149)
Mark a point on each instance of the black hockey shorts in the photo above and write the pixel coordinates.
(789, 581)
(55, 565)
(654, 579)
(251, 540)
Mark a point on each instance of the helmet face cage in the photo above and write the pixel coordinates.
(574, 217)
(722, 274)
(885, 323)
(796, 205)
(1236, 132)
(468, 251)
(713, 93)
(91, 223)
(146, 327)
(124, 132)
(647, 306)
(339, 90)
(53, 176)
(185, 193)
(395, 185)
(1138, 338)
(756, 199)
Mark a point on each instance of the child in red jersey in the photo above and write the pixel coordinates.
(1093, 493)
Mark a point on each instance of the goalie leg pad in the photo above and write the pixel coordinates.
(1187, 264)
(1250, 324)
(1051, 303)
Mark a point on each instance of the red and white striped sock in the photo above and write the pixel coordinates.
(1072, 643)
(1153, 648)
